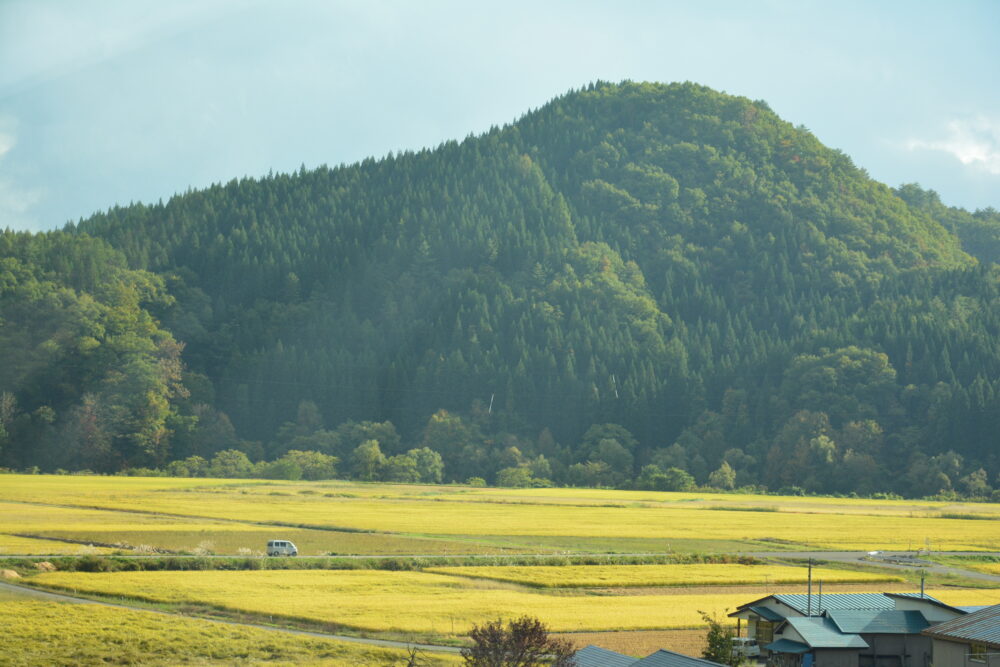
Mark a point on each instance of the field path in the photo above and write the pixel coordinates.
(383, 643)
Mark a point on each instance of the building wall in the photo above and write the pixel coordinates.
(954, 654)
(932, 612)
(836, 658)
(917, 647)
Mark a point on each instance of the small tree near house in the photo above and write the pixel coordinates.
(523, 642)
(719, 642)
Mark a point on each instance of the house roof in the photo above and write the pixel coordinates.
(787, 646)
(981, 626)
(830, 601)
(766, 614)
(820, 632)
(819, 603)
(595, 656)
(868, 621)
(665, 658)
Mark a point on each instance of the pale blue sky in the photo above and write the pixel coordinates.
(107, 102)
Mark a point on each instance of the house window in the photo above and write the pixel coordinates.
(765, 632)
(977, 652)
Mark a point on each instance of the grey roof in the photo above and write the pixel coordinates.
(595, 656)
(665, 658)
(867, 621)
(981, 626)
(820, 604)
(787, 646)
(766, 614)
(820, 632)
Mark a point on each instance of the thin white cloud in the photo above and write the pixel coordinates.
(6, 143)
(974, 142)
(16, 201)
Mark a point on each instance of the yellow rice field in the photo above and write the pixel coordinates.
(406, 602)
(12, 544)
(605, 576)
(130, 530)
(828, 523)
(978, 566)
(51, 633)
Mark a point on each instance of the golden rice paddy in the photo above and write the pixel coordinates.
(399, 602)
(337, 517)
(35, 633)
(491, 515)
(606, 576)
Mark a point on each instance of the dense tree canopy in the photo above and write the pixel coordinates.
(636, 284)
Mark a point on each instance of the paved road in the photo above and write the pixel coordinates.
(384, 643)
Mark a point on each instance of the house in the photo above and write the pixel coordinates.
(972, 640)
(814, 640)
(846, 629)
(764, 615)
(595, 656)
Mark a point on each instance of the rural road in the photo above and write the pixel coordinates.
(384, 643)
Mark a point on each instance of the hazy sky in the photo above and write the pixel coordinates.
(107, 102)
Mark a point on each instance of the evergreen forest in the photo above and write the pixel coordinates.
(636, 285)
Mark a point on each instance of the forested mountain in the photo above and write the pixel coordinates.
(632, 281)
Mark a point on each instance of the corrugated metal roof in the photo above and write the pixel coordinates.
(820, 604)
(787, 646)
(980, 626)
(665, 658)
(820, 632)
(767, 614)
(867, 621)
(595, 656)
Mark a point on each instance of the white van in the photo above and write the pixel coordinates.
(281, 548)
(745, 647)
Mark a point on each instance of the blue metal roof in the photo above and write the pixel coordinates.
(787, 646)
(766, 614)
(981, 626)
(595, 656)
(867, 621)
(821, 603)
(820, 632)
(665, 658)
